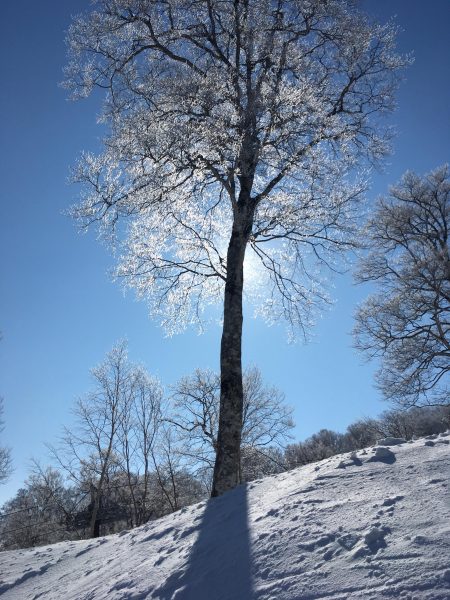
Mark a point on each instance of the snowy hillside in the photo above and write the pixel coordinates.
(373, 524)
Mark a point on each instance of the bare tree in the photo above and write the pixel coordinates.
(177, 486)
(114, 432)
(267, 420)
(364, 432)
(234, 126)
(320, 445)
(139, 424)
(407, 322)
(5, 453)
(257, 463)
(415, 422)
(87, 452)
(194, 413)
(111, 446)
(41, 512)
(266, 423)
(6, 467)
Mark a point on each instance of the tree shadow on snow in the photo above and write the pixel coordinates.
(219, 564)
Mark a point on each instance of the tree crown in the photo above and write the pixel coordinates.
(215, 107)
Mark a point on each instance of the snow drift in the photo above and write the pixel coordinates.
(371, 524)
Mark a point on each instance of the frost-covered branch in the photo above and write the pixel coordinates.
(209, 99)
(407, 323)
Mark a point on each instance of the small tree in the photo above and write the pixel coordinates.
(267, 421)
(257, 463)
(363, 433)
(234, 127)
(139, 424)
(113, 439)
(5, 453)
(415, 422)
(175, 485)
(320, 445)
(408, 322)
(41, 512)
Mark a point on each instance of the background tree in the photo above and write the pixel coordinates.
(266, 423)
(408, 322)
(194, 418)
(232, 124)
(408, 424)
(176, 485)
(91, 447)
(363, 433)
(257, 462)
(139, 424)
(320, 445)
(418, 421)
(42, 511)
(111, 445)
(5, 453)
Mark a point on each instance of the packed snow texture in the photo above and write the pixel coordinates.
(370, 524)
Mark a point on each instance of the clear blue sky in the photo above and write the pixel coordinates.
(59, 311)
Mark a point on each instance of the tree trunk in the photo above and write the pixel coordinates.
(94, 525)
(96, 530)
(227, 465)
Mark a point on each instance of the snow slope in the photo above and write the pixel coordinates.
(374, 524)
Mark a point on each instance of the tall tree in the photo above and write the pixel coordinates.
(407, 322)
(232, 124)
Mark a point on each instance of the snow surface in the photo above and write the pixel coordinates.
(370, 524)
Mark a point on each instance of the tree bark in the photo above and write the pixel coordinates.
(227, 465)
(94, 525)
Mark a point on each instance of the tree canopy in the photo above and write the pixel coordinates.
(205, 99)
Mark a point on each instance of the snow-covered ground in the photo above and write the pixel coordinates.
(373, 524)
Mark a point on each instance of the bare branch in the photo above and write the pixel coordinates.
(408, 323)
